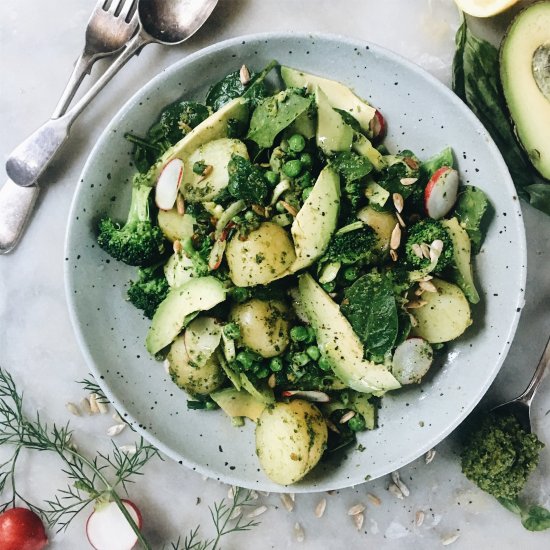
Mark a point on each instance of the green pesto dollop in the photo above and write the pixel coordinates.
(500, 455)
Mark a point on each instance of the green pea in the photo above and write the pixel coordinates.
(271, 177)
(306, 159)
(299, 334)
(351, 273)
(324, 364)
(297, 143)
(300, 359)
(329, 287)
(276, 364)
(357, 423)
(313, 352)
(306, 193)
(249, 216)
(310, 335)
(199, 167)
(246, 359)
(262, 372)
(280, 208)
(305, 180)
(292, 168)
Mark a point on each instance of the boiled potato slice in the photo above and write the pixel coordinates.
(196, 380)
(202, 337)
(264, 326)
(265, 254)
(178, 269)
(290, 439)
(445, 316)
(175, 226)
(217, 154)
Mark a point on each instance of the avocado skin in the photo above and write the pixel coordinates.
(527, 104)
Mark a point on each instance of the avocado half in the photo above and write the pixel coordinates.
(525, 76)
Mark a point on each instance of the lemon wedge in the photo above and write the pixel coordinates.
(484, 8)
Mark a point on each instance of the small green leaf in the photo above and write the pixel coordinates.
(536, 518)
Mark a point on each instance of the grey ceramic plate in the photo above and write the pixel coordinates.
(423, 115)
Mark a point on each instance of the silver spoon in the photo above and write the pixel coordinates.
(163, 22)
(520, 407)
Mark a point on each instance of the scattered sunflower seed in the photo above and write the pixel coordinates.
(254, 495)
(332, 427)
(417, 250)
(73, 409)
(115, 430)
(231, 492)
(402, 487)
(449, 539)
(116, 417)
(299, 534)
(425, 250)
(374, 499)
(395, 491)
(419, 291)
(393, 255)
(358, 520)
(428, 286)
(408, 181)
(260, 210)
(356, 509)
(412, 319)
(237, 512)
(180, 204)
(398, 202)
(289, 208)
(128, 449)
(400, 220)
(257, 512)
(320, 508)
(395, 239)
(93, 403)
(426, 278)
(435, 250)
(288, 503)
(347, 417)
(419, 518)
(103, 406)
(85, 405)
(430, 455)
(244, 75)
(310, 395)
(272, 381)
(415, 304)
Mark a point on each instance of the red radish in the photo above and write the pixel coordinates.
(411, 360)
(309, 395)
(168, 184)
(21, 529)
(378, 126)
(440, 193)
(108, 529)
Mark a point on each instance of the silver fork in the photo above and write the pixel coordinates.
(111, 25)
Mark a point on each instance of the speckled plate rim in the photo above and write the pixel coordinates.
(508, 187)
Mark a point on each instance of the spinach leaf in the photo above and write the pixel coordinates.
(246, 181)
(351, 166)
(476, 80)
(274, 114)
(370, 306)
(472, 207)
(443, 158)
(535, 518)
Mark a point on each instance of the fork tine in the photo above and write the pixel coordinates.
(129, 9)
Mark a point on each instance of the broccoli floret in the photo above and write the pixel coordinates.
(138, 242)
(499, 455)
(425, 232)
(353, 247)
(149, 290)
(178, 118)
(200, 264)
(246, 181)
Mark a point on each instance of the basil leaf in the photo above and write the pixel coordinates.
(476, 80)
(370, 307)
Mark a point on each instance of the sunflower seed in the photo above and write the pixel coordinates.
(412, 318)
(435, 250)
(320, 508)
(115, 430)
(244, 75)
(260, 210)
(272, 381)
(428, 286)
(426, 278)
(395, 491)
(180, 204)
(128, 449)
(449, 539)
(417, 250)
(299, 532)
(237, 512)
(310, 395)
(393, 255)
(257, 512)
(425, 250)
(93, 403)
(374, 499)
(398, 202)
(73, 409)
(254, 495)
(400, 220)
(358, 520)
(402, 487)
(85, 405)
(289, 208)
(415, 304)
(419, 518)
(287, 502)
(116, 417)
(331, 426)
(347, 417)
(103, 406)
(395, 239)
(231, 492)
(408, 181)
(356, 509)
(430, 455)
(419, 292)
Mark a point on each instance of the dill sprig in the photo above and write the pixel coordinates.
(91, 386)
(223, 514)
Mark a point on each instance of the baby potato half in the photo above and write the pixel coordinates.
(290, 440)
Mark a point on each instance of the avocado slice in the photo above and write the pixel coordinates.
(260, 392)
(365, 148)
(333, 134)
(338, 95)
(462, 273)
(214, 127)
(238, 403)
(316, 221)
(198, 294)
(525, 76)
(339, 343)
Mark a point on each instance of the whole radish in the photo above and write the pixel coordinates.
(21, 529)
(441, 191)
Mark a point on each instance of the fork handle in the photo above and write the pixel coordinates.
(29, 160)
(527, 396)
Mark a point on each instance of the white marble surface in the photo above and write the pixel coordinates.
(39, 41)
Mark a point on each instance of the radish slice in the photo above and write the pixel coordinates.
(440, 193)
(108, 529)
(168, 184)
(412, 360)
(378, 126)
